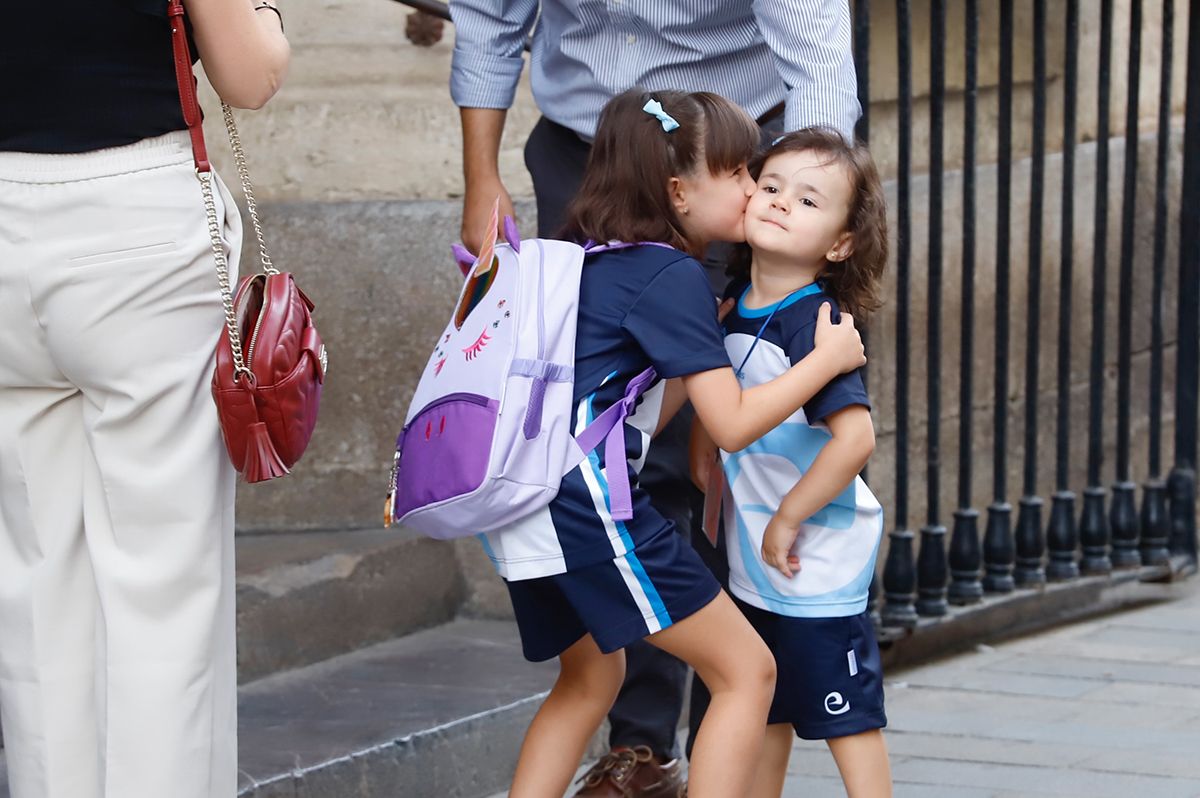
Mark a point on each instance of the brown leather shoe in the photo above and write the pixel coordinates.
(632, 773)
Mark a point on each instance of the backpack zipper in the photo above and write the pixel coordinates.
(541, 300)
(389, 506)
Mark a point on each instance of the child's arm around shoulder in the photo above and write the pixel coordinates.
(675, 394)
(736, 418)
(835, 467)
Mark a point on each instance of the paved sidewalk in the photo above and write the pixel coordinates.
(1109, 707)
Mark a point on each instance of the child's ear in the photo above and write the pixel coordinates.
(678, 194)
(841, 249)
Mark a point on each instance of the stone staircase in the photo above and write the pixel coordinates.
(361, 679)
(363, 672)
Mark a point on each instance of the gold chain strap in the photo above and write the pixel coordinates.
(218, 245)
(239, 157)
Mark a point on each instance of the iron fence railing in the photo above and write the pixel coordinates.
(1111, 531)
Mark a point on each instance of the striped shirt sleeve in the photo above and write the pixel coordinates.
(811, 43)
(489, 50)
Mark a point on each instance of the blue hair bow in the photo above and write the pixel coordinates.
(655, 109)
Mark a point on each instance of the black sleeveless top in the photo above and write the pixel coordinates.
(80, 75)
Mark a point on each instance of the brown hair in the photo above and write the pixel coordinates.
(624, 195)
(855, 281)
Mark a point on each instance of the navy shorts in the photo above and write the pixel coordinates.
(616, 601)
(830, 678)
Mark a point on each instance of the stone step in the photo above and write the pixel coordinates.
(306, 597)
(437, 714)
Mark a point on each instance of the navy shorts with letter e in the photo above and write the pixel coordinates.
(617, 601)
(830, 679)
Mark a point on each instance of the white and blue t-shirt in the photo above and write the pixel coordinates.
(837, 547)
(638, 307)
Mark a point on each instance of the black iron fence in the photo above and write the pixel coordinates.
(1111, 531)
(1107, 530)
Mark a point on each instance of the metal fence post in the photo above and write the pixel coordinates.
(1122, 514)
(998, 546)
(1093, 526)
(1155, 517)
(931, 562)
(899, 573)
(1182, 484)
(1030, 538)
(965, 553)
(1062, 537)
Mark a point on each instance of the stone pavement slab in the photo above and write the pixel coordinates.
(1102, 708)
(1109, 707)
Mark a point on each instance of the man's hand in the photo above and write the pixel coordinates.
(778, 540)
(477, 210)
(841, 341)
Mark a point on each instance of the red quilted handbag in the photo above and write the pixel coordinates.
(270, 359)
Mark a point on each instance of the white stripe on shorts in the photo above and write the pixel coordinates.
(592, 479)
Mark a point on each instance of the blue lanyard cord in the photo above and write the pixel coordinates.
(808, 289)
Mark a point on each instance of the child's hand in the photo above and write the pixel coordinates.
(778, 539)
(702, 455)
(841, 340)
(724, 308)
(701, 462)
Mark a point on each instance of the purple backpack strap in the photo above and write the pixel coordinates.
(591, 247)
(609, 427)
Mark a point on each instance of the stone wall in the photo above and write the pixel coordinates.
(365, 115)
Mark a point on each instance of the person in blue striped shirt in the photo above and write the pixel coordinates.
(788, 63)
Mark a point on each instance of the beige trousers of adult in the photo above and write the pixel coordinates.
(117, 666)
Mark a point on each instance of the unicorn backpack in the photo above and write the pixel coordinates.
(488, 434)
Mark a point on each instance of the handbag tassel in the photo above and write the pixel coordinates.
(262, 461)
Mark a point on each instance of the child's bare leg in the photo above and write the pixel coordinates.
(588, 682)
(739, 671)
(862, 760)
(772, 765)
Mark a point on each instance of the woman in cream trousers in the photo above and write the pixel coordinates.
(117, 664)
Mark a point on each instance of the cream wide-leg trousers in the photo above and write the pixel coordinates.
(117, 665)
